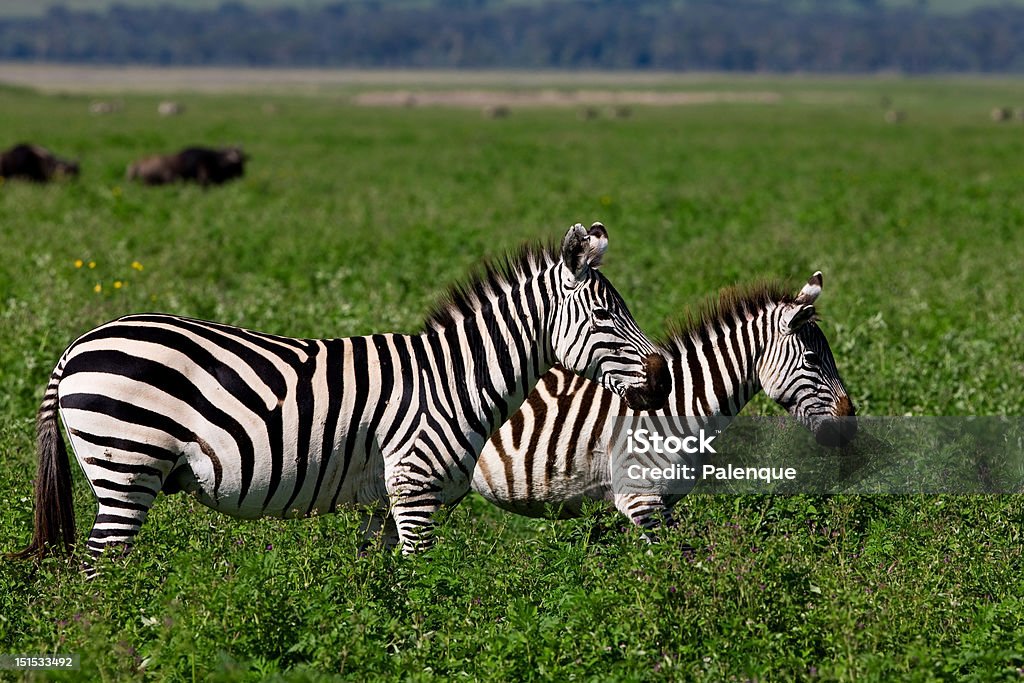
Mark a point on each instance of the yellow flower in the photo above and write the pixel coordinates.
(98, 288)
(78, 263)
(92, 264)
(136, 265)
(116, 191)
(117, 284)
(605, 200)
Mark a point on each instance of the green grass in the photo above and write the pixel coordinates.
(354, 220)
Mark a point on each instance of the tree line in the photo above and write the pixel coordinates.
(730, 35)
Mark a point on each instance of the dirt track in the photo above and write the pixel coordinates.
(396, 87)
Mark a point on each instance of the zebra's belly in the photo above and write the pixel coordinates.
(558, 495)
(361, 484)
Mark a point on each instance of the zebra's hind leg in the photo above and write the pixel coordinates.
(117, 522)
(125, 473)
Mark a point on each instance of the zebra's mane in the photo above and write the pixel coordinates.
(731, 302)
(464, 299)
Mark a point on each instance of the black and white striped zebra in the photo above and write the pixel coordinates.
(556, 451)
(259, 425)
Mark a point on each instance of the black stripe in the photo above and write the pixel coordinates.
(116, 519)
(122, 504)
(440, 369)
(696, 376)
(407, 375)
(121, 488)
(334, 363)
(386, 382)
(585, 403)
(717, 385)
(115, 533)
(505, 356)
(149, 450)
(602, 415)
(360, 370)
(460, 373)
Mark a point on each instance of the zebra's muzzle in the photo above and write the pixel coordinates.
(654, 392)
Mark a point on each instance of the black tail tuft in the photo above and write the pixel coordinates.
(55, 514)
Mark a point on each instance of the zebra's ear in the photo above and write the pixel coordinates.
(582, 249)
(810, 292)
(795, 317)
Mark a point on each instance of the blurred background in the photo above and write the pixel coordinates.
(845, 36)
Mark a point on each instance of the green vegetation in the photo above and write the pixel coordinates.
(780, 36)
(354, 220)
(25, 8)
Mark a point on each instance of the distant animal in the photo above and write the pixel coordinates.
(895, 116)
(495, 111)
(557, 452)
(170, 108)
(1000, 114)
(257, 425)
(620, 111)
(33, 162)
(203, 165)
(99, 108)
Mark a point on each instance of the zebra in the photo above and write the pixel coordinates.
(556, 451)
(256, 425)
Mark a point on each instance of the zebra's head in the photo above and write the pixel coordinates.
(593, 332)
(797, 370)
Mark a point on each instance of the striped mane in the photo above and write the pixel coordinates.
(731, 302)
(464, 299)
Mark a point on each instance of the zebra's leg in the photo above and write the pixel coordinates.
(125, 484)
(647, 511)
(413, 514)
(117, 522)
(378, 527)
(416, 488)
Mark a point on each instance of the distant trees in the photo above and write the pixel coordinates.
(729, 35)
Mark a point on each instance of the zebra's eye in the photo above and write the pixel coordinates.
(811, 358)
(602, 314)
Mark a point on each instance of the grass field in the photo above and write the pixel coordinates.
(352, 220)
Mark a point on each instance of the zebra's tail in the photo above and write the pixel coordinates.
(55, 514)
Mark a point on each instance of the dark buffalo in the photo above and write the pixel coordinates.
(198, 164)
(33, 162)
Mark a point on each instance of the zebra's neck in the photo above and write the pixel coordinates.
(714, 366)
(496, 352)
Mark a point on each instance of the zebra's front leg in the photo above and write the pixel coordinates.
(647, 511)
(413, 512)
(418, 485)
